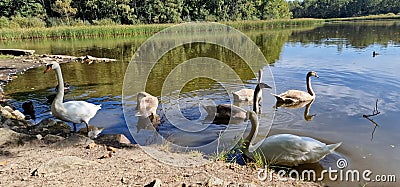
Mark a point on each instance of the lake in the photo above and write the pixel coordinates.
(351, 81)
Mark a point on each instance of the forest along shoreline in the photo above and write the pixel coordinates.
(47, 153)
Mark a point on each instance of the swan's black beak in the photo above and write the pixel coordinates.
(263, 85)
(47, 69)
(316, 75)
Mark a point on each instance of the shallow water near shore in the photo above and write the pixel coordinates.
(351, 80)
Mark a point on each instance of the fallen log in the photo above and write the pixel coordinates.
(17, 52)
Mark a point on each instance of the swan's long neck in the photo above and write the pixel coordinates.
(309, 88)
(256, 95)
(60, 92)
(260, 76)
(253, 130)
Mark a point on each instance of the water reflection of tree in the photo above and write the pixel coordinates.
(356, 34)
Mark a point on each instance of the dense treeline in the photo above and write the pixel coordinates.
(38, 13)
(342, 8)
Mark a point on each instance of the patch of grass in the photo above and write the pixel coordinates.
(275, 23)
(80, 31)
(6, 56)
(85, 31)
(364, 18)
(259, 159)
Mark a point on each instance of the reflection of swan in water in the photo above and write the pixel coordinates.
(294, 96)
(228, 113)
(148, 123)
(307, 105)
(288, 149)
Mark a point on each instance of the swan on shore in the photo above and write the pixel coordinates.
(71, 111)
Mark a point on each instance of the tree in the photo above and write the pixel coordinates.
(63, 7)
(172, 11)
(274, 9)
(25, 8)
(296, 8)
(126, 12)
(198, 10)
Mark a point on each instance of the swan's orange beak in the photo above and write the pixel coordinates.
(47, 69)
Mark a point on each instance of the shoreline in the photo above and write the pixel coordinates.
(93, 31)
(10, 68)
(37, 163)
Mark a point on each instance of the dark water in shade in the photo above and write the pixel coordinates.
(350, 82)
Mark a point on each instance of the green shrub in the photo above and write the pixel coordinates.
(27, 22)
(79, 22)
(55, 22)
(4, 22)
(35, 22)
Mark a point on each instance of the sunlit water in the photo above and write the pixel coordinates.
(350, 82)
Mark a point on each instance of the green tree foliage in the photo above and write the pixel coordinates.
(75, 12)
(70, 12)
(25, 8)
(63, 7)
(273, 9)
(199, 10)
(342, 8)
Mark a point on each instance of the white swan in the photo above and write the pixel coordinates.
(226, 113)
(146, 105)
(294, 96)
(288, 149)
(247, 94)
(71, 111)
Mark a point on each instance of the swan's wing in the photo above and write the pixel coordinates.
(77, 111)
(229, 110)
(290, 149)
(295, 95)
(243, 94)
(281, 98)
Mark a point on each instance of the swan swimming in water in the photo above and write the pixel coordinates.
(247, 94)
(226, 113)
(294, 96)
(71, 111)
(288, 149)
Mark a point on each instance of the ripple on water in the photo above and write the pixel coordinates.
(284, 117)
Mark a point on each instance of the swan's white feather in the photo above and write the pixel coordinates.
(78, 111)
(243, 95)
(292, 150)
(146, 104)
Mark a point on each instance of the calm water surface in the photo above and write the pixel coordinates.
(350, 82)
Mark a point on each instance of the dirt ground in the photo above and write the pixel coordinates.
(126, 167)
(97, 166)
